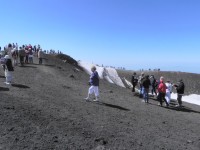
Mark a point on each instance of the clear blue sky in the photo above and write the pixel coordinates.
(133, 34)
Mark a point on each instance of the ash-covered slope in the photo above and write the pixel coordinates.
(44, 109)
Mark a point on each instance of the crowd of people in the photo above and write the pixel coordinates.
(160, 88)
(12, 54)
(25, 53)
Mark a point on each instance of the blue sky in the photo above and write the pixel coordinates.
(134, 34)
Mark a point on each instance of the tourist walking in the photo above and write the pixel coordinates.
(8, 69)
(162, 91)
(94, 85)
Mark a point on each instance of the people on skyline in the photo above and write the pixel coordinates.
(40, 56)
(14, 56)
(22, 54)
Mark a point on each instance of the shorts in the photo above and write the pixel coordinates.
(94, 89)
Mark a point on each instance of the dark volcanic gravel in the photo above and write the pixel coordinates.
(44, 109)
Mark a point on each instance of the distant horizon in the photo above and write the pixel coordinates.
(132, 34)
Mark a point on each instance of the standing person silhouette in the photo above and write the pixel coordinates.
(180, 87)
(134, 81)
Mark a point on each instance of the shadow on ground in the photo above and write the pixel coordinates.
(4, 89)
(20, 86)
(28, 66)
(2, 77)
(183, 109)
(173, 106)
(114, 106)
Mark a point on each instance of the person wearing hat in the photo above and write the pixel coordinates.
(180, 87)
(8, 69)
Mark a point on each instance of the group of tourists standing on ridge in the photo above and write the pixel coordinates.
(24, 54)
(161, 89)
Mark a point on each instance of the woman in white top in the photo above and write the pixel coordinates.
(168, 91)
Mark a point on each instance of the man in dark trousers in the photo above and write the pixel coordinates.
(134, 81)
(146, 83)
(180, 87)
(153, 85)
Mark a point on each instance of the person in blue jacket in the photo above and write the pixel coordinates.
(94, 85)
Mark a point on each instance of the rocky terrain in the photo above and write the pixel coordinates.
(44, 109)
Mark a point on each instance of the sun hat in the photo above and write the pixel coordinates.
(7, 57)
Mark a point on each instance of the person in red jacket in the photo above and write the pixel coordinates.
(162, 91)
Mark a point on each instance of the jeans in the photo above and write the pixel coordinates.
(146, 95)
(141, 91)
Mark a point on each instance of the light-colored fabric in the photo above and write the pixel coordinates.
(169, 87)
(168, 97)
(8, 75)
(40, 54)
(94, 89)
(168, 92)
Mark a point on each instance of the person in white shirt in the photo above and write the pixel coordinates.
(168, 91)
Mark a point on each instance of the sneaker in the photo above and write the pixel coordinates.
(87, 99)
(96, 100)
